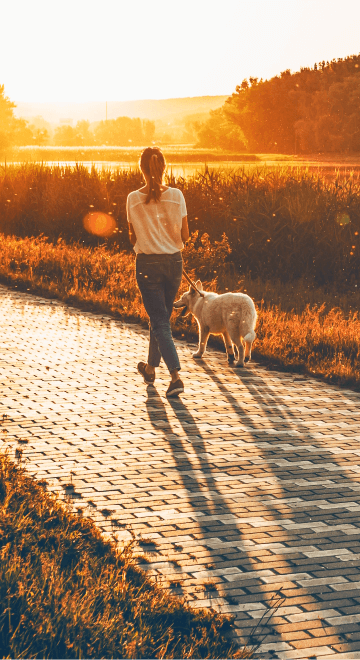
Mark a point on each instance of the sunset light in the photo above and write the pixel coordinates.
(81, 51)
(180, 329)
(99, 224)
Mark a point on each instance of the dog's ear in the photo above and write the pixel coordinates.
(199, 285)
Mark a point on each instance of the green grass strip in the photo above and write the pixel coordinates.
(66, 592)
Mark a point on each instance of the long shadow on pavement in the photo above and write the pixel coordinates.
(315, 597)
(203, 494)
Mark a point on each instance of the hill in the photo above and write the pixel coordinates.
(165, 110)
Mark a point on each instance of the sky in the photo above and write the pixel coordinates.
(123, 50)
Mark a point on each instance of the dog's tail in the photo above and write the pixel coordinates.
(250, 336)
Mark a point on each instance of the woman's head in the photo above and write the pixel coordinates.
(152, 165)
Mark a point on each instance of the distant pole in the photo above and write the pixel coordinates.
(106, 110)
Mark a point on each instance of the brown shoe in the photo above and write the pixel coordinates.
(176, 388)
(148, 378)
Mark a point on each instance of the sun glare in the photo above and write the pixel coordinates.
(99, 224)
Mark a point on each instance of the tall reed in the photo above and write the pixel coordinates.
(280, 223)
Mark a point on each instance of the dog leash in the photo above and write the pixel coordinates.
(193, 284)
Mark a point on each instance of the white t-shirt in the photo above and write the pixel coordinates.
(157, 225)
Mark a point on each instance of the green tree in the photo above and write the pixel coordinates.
(124, 131)
(219, 132)
(149, 131)
(265, 112)
(65, 136)
(312, 110)
(41, 130)
(6, 118)
(78, 136)
(84, 135)
(40, 136)
(13, 131)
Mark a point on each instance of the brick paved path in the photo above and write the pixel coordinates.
(248, 484)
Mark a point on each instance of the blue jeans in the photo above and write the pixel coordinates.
(158, 277)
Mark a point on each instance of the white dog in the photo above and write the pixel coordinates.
(232, 315)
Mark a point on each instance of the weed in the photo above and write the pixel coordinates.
(107, 512)
(259, 632)
(147, 542)
(174, 584)
(119, 524)
(18, 454)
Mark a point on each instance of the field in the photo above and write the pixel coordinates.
(288, 238)
(280, 223)
(174, 153)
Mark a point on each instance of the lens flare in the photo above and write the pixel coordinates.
(342, 219)
(100, 224)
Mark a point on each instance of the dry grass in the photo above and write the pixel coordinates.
(65, 592)
(301, 327)
(174, 154)
(280, 222)
(323, 344)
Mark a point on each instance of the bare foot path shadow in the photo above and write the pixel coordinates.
(247, 484)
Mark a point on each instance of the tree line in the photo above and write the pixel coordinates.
(313, 110)
(123, 131)
(13, 131)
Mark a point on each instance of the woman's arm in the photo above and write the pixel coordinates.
(184, 230)
(132, 236)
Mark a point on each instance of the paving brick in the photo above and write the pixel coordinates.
(248, 483)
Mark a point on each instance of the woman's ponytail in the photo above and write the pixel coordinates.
(152, 163)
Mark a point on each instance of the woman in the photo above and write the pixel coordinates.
(158, 228)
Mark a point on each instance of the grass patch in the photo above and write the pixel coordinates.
(65, 592)
(280, 223)
(176, 154)
(302, 327)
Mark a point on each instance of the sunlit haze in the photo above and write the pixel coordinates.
(118, 50)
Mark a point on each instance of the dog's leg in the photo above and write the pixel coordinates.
(203, 339)
(248, 351)
(229, 348)
(241, 353)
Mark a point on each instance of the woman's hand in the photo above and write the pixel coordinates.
(132, 235)
(184, 230)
